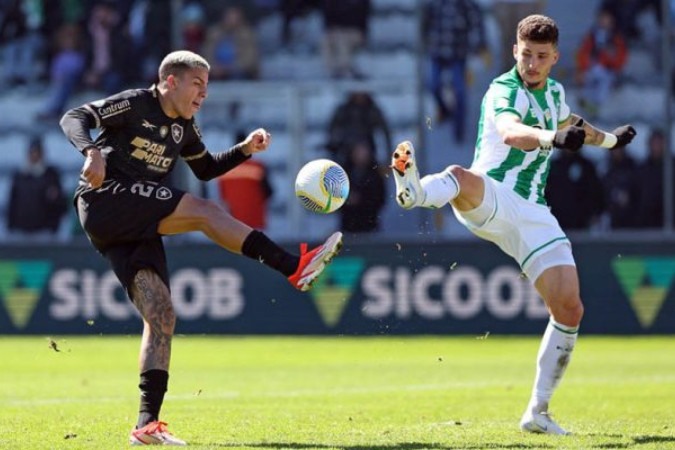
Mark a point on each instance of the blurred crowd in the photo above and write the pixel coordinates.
(104, 45)
(110, 45)
(629, 194)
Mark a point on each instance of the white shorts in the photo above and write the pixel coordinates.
(524, 230)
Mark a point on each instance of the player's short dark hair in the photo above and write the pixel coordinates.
(179, 61)
(538, 28)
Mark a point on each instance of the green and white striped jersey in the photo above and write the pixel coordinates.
(525, 172)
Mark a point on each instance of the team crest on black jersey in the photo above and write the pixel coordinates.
(176, 133)
(163, 193)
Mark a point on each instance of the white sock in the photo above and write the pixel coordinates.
(440, 189)
(554, 356)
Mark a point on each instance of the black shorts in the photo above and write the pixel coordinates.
(121, 220)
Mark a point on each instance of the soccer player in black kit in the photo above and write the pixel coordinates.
(125, 208)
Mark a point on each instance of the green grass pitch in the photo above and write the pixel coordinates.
(381, 393)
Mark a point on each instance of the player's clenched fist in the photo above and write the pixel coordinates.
(257, 141)
(94, 167)
(624, 135)
(571, 137)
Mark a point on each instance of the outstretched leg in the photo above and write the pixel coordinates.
(457, 185)
(197, 214)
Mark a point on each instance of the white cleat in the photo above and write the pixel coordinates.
(409, 191)
(534, 421)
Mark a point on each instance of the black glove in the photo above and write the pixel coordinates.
(624, 135)
(571, 137)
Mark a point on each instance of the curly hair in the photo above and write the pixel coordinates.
(538, 28)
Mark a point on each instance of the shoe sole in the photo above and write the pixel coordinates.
(134, 441)
(401, 157)
(403, 161)
(334, 244)
(149, 439)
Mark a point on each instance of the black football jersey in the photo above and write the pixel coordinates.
(137, 139)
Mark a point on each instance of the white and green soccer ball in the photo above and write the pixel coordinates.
(322, 186)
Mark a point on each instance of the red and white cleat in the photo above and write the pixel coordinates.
(154, 433)
(313, 262)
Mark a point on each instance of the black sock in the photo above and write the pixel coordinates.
(260, 247)
(153, 386)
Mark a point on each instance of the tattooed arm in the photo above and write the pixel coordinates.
(619, 137)
(594, 136)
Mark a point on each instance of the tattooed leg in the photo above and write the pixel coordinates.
(151, 297)
(153, 300)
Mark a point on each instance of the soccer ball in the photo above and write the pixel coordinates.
(322, 186)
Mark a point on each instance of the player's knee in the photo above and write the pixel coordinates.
(457, 171)
(579, 311)
(470, 184)
(568, 312)
(465, 178)
(153, 300)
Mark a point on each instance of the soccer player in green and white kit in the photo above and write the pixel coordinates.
(501, 196)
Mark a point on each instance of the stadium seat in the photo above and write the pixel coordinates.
(268, 113)
(285, 65)
(268, 31)
(217, 139)
(640, 67)
(307, 32)
(23, 110)
(646, 104)
(277, 156)
(14, 148)
(399, 108)
(320, 106)
(398, 64)
(315, 144)
(386, 6)
(381, 37)
(61, 153)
